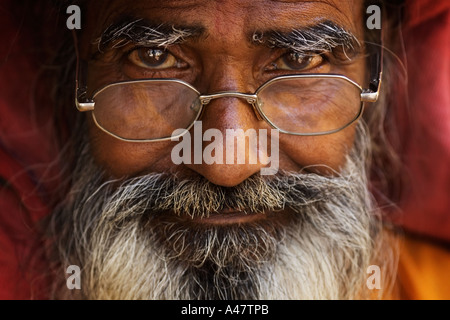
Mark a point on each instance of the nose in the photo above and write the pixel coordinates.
(232, 146)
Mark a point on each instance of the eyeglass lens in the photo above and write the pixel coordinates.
(147, 110)
(310, 105)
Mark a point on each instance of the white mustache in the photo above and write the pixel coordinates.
(199, 197)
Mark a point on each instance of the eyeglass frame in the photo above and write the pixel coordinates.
(371, 94)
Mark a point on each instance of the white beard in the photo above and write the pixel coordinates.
(127, 249)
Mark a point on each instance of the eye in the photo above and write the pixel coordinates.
(298, 62)
(153, 58)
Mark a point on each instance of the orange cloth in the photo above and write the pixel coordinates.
(423, 270)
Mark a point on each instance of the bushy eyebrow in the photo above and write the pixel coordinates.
(323, 37)
(143, 32)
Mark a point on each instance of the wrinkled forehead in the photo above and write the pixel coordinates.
(229, 16)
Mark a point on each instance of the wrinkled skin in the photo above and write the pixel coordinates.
(224, 60)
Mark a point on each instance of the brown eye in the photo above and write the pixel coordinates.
(153, 58)
(299, 62)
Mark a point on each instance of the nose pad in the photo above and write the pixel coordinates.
(196, 105)
(257, 103)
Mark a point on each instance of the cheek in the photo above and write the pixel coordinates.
(319, 153)
(121, 159)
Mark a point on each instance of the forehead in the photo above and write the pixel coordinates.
(230, 16)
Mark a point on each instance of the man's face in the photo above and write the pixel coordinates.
(224, 57)
(221, 230)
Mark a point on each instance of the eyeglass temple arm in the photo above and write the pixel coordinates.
(376, 70)
(372, 94)
(81, 101)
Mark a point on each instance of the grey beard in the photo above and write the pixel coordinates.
(134, 239)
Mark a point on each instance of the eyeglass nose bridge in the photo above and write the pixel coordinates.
(250, 98)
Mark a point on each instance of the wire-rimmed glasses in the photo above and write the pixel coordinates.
(152, 109)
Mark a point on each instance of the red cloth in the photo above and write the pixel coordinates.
(26, 146)
(426, 142)
(26, 149)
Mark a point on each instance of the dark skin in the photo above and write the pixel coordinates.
(225, 60)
